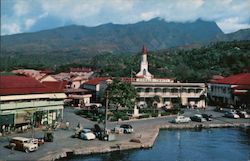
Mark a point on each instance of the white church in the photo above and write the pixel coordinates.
(191, 94)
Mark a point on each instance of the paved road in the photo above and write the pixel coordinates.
(63, 138)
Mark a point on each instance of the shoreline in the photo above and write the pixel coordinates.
(146, 140)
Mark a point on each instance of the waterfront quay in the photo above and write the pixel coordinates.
(145, 133)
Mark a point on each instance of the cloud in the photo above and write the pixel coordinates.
(232, 24)
(11, 28)
(149, 15)
(29, 22)
(21, 7)
(230, 15)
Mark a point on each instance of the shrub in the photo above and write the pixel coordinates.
(89, 115)
(113, 119)
(125, 118)
(154, 114)
(144, 116)
(95, 118)
(165, 113)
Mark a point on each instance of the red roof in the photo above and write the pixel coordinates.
(55, 85)
(242, 87)
(144, 50)
(96, 81)
(10, 85)
(238, 79)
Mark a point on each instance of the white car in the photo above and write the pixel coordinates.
(232, 115)
(87, 134)
(243, 114)
(181, 119)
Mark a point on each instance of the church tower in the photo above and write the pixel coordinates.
(144, 73)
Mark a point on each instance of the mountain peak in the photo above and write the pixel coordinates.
(156, 33)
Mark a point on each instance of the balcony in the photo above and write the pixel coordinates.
(17, 105)
(172, 94)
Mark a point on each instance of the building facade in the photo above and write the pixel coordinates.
(25, 101)
(232, 90)
(167, 90)
(97, 87)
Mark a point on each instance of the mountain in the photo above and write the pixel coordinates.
(89, 41)
(243, 34)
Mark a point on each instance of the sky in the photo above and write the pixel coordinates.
(18, 16)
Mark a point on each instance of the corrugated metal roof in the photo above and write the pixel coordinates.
(10, 85)
(238, 79)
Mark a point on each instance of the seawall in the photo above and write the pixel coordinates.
(146, 139)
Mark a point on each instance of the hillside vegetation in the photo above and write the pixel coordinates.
(193, 65)
(196, 65)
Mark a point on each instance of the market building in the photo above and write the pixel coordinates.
(24, 100)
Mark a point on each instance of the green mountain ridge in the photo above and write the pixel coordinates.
(156, 34)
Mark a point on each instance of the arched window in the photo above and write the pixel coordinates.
(157, 90)
(174, 90)
(166, 90)
(149, 90)
(144, 72)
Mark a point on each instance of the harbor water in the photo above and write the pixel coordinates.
(216, 144)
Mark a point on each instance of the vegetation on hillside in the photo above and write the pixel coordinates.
(195, 65)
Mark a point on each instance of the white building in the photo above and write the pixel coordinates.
(169, 92)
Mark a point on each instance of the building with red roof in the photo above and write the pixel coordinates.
(23, 96)
(232, 90)
(97, 87)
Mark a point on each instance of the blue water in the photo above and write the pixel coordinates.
(226, 144)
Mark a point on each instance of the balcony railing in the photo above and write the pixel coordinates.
(16, 105)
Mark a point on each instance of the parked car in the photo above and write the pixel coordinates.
(98, 131)
(87, 134)
(207, 117)
(127, 128)
(232, 115)
(181, 119)
(22, 143)
(197, 118)
(243, 114)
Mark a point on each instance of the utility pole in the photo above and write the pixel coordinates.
(106, 113)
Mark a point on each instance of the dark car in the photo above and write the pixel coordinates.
(197, 118)
(127, 128)
(207, 117)
(98, 131)
(48, 136)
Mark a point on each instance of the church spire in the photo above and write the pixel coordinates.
(144, 65)
(144, 50)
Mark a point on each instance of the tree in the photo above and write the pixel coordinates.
(156, 100)
(121, 94)
(153, 101)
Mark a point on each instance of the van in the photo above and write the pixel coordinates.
(24, 144)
